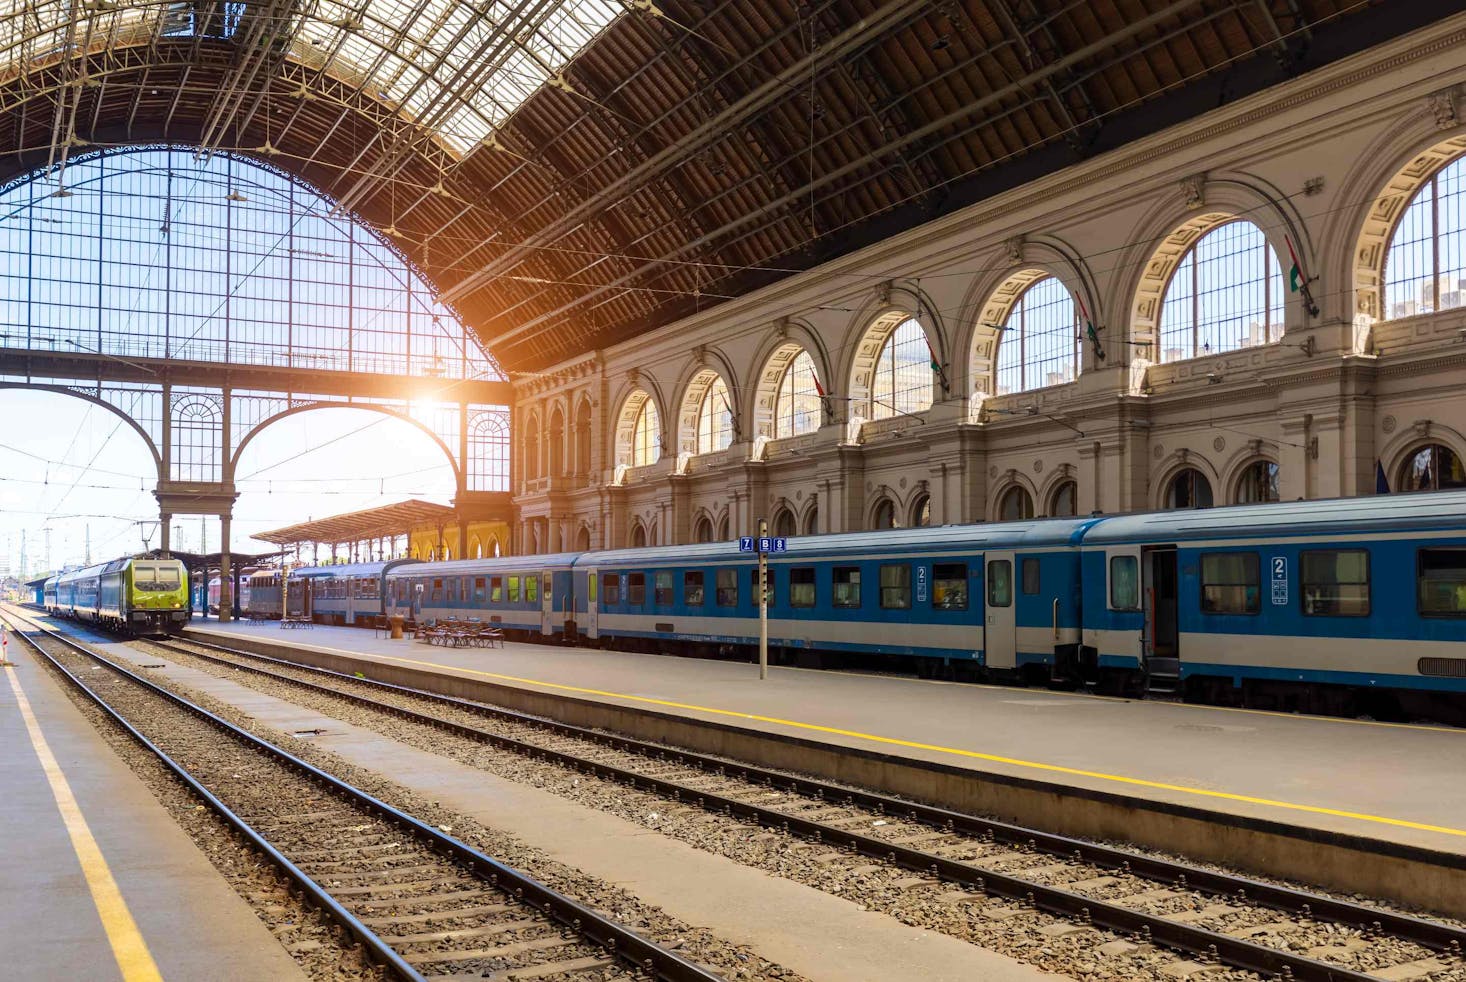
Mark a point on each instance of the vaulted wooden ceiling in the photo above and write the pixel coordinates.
(574, 172)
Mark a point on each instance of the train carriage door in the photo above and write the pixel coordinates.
(592, 603)
(547, 603)
(1001, 626)
(1163, 650)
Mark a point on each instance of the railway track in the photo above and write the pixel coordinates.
(421, 903)
(1213, 917)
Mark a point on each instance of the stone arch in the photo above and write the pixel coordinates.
(475, 548)
(1391, 196)
(920, 502)
(293, 410)
(555, 433)
(1409, 440)
(876, 517)
(694, 390)
(533, 445)
(631, 406)
(810, 522)
(137, 427)
(584, 427)
(582, 538)
(867, 352)
(784, 522)
(702, 527)
(1231, 489)
(1175, 223)
(724, 526)
(1022, 262)
(1173, 464)
(493, 549)
(1014, 478)
(773, 359)
(1065, 473)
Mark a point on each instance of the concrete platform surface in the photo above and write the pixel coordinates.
(186, 922)
(1387, 782)
(813, 933)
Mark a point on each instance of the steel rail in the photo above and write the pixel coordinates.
(1235, 951)
(617, 940)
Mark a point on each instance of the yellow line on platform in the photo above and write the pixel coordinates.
(128, 946)
(955, 751)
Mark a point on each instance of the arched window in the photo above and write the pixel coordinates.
(723, 529)
(902, 379)
(1432, 468)
(921, 511)
(1064, 501)
(1226, 293)
(1259, 482)
(1015, 505)
(583, 428)
(1039, 344)
(1189, 489)
(555, 437)
(475, 549)
(1425, 268)
(494, 547)
(783, 524)
(797, 402)
(532, 449)
(582, 540)
(714, 419)
(638, 536)
(703, 530)
(812, 521)
(884, 517)
(646, 436)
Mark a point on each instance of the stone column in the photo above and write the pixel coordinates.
(226, 583)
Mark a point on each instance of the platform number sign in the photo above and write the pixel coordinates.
(766, 543)
(1280, 581)
(921, 584)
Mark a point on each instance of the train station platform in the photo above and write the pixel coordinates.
(100, 881)
(1356, 805)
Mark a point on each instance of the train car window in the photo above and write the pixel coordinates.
(496, 589)
(636, 589)
(801, 586)
(768, 586)
(1230, 583)
(467, 589)
(662, 589)
(692, 592)
(949, 586)
(1124, 583)
(1000, 583)
(531, 589)
(727, 588)
(1441, 582)
(437, 591)
(549, 585)
(610, 588)
(480, 589)
(370, 588)
(1335, 582)
(514, 589)
(1030, 577)
(896, 587)
(847, 586)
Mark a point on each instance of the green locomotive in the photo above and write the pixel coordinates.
(138, 596)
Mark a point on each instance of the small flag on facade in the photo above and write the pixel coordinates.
(1091, 332)
(936, 365)
(1295, 273)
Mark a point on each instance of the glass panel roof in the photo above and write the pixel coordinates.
(457, 68)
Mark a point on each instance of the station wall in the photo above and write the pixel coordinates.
(1218, 382)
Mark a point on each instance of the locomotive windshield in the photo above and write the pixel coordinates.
(155, 579)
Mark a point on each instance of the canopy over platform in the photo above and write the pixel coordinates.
(398, 518)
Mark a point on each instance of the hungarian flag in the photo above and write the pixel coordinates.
(1295, 274)
(1091, 333)
(817, 387)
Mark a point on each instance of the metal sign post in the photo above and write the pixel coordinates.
(4, 646)
(763, 544)
(763, 602)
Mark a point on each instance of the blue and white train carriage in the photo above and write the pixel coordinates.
(528, 595)
(1308, 604)
(1000, 597)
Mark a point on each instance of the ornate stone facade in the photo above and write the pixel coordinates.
(1323, 165)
